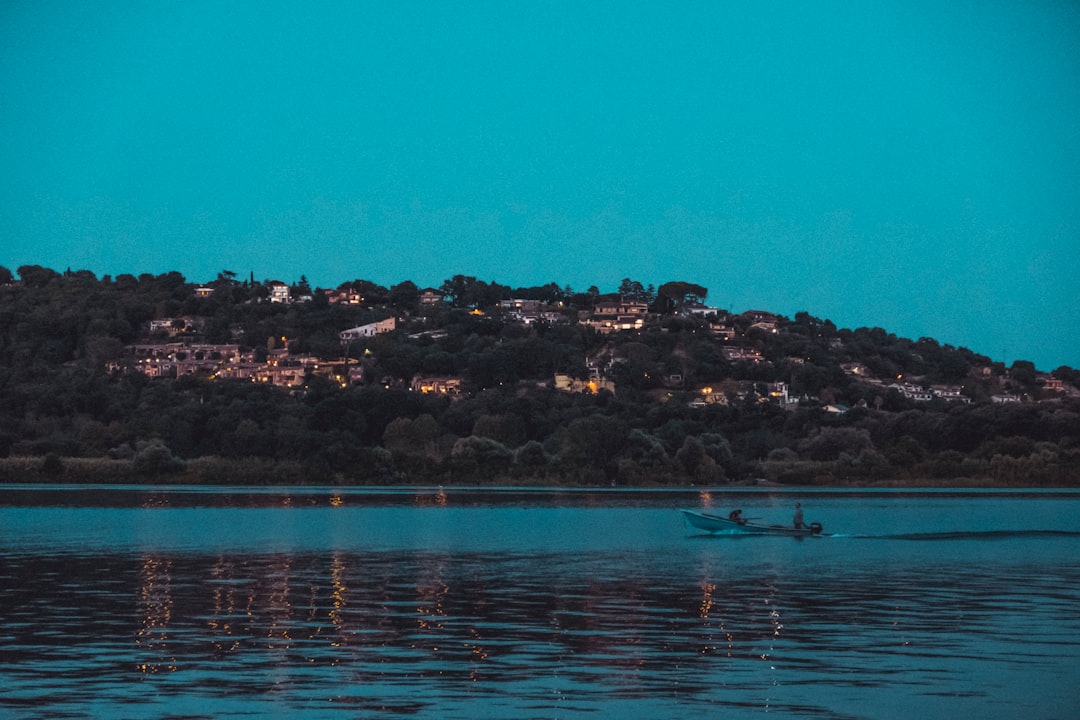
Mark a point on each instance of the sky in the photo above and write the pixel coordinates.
(913, 166)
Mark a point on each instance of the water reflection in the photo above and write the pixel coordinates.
(586, 625)
(224, 598)
(548, 619)
(155, 606)
(431, 612)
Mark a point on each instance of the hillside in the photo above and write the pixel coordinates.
(156, 378)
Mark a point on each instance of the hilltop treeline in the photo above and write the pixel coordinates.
(691, 395)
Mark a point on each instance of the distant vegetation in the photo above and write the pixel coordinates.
(463, 389)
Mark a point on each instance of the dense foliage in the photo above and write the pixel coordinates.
(70, 409)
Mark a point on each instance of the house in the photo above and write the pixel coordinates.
(620, 307)
(157, 368)
(429, 334)
(1052, 384)
(279, 291)
(436, 385)
(722, 331)
(528, 312)
(286, 376)
(178, 359)
(430, 297)
(760, 316)
(856, 369)
(778, 392)
(176, 326)
(369, 330)
(709, 396)
(163, 325)
(949, 393)
(912, 392)
(741, 354)
(700, 310)
(610, 316)
(204, 291)
(347, 296)
(521, 306)
(610, 324)
(673, 380)
(593, 385)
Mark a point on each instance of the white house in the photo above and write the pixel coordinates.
(279, 291)
(369, 330)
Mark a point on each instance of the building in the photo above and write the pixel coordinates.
(437, 385)
(430, 297)
(742, 354)
(619, 308)
(369, 330)
(343, 297)
(614, 315)
(912, 392)
(593, 385)
(279, 291)
(528, 312)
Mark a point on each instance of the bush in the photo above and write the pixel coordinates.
(52, 465)
(531, 454)
(153, 458)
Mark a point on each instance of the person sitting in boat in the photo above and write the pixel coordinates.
(798, 521)
(736, 515)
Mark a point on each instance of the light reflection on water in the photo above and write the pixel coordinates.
(451, 607)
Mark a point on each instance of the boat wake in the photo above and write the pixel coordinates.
(968, 535)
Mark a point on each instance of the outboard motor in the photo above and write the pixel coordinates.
(815, 528)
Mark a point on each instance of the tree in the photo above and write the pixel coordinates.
(481, 452)
(829, 443)
(531, 454)
(634, 290)
(467, 292)
(372, 293)
(508, 429)
(550, 293)
(404, 295)
(413, 437)
(696, 462)
(673, 295)
(596, 440)
(646, 450)
(36, 276)
(153, 458)
(1023, 373)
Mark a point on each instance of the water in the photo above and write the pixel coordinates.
(321, 603)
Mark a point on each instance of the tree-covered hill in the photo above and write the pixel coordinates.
(157, 378)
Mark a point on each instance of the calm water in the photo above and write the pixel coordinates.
(141, 603)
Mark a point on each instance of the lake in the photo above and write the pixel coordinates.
(136, 602)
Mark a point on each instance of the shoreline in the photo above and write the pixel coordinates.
(261, 473)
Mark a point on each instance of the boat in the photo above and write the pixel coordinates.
(716, 524)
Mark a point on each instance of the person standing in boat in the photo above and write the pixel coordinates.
(798, 521)
(736, 515)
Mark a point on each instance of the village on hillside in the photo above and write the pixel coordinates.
(172, 347)
(241, 381)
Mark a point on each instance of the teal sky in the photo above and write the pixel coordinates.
(908, 165)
